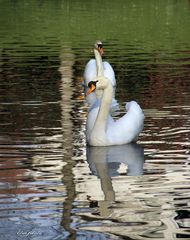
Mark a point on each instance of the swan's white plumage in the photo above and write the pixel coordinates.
(92, 115)
(102, 130)
(127, 128)
(90, 73)
(121, 131)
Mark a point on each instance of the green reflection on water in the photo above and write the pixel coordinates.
(151, 24)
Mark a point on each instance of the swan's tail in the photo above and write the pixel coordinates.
(133, 106)
(136, 113)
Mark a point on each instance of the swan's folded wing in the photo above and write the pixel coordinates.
(126, 129)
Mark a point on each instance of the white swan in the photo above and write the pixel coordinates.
(90, 73)
(102, 130)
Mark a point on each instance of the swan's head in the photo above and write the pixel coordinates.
(99, 47)
(91, 87)
(99, 83)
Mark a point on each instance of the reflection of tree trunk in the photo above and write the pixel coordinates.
(66, 90)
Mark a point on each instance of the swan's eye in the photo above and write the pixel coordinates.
(100, 46)
(92, 83)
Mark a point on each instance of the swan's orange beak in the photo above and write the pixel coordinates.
(90, 89)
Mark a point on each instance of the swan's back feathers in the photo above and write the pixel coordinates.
(122, 131)
(127, 128)
(90, 72)
(133, 106)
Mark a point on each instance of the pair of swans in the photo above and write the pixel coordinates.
(101, 128)
(90, 73)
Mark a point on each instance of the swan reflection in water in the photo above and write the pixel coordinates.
(105, 162)
(108, 159)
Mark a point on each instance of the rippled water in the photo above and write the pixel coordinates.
(52, 186)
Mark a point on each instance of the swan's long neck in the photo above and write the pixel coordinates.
(101, 120)
(105, 106)
(99, 64)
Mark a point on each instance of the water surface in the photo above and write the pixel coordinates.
(52, 186)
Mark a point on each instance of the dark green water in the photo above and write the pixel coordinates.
(51, 185)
